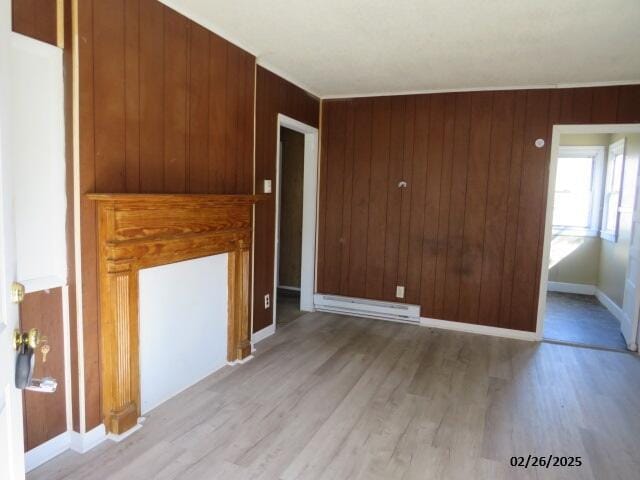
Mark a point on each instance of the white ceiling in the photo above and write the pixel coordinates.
(361, 47)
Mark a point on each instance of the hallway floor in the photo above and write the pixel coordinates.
(288, 308)
(581, 319)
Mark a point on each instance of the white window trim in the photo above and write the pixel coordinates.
(612, 234)
(597, 152)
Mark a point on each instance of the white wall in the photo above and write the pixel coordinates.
(38, 162)
(183, 326)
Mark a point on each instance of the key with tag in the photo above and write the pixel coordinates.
(44, 349)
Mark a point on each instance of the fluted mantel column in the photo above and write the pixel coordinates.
(120, 347)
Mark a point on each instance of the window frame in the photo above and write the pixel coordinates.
(596, 152)
(614, 149)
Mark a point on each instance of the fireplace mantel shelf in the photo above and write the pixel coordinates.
(137, 231)
(196, 198)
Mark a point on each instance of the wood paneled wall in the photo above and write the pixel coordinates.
(465, 237)
(274, 95)
(165, 107)
(45, 414)
(36, 19)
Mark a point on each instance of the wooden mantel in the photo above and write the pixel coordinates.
(138, 231)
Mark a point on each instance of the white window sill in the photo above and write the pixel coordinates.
(574, 232)
(609, 236)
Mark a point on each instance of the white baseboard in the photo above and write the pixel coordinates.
(79, 442)
(610, 305)
(264, 333)
(48, 450)
(579, 288)
(478, 329)
(83, 442)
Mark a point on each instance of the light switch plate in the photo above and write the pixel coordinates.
(399, 291)
(267, 186)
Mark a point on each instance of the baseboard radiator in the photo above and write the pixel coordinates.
(360, 307)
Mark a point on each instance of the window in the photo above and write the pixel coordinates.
(612, 191)
(576, 208)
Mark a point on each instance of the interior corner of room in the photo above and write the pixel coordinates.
(258, 240)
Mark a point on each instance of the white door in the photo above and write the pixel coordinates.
(11, 441)
(631, 299)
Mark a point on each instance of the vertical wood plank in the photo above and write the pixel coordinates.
(335, 169)
(347, 188)
(629, 104)
(405, 193)
(475, 207)
(456, 211)
(132, 95)
(198, 109)
(445, 204)
(109, 114)
(513, 209)
(422, 177)
(377, 221)
(234, 89)
(531, 210)
(496, 213)
(605, 105)
(175, 102)
(360, 199)
(322, 182)
(217, 113)
(582, 104)
(151, 96)
(394, 198)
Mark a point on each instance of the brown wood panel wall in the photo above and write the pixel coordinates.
(274, 95)
(36, 19)
(45, 414)
(465, 236)
(165, 107)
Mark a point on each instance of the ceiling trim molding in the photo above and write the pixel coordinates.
(482, 89)
(230, 38)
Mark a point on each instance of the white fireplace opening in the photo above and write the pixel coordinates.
(183, 326)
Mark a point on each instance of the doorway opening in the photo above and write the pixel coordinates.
(590, 283)
(295, 232)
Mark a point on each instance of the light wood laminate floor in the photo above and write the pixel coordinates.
(332, 397)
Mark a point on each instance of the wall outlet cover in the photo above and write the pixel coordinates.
(267, 186)
(267, 301)
(399, 291)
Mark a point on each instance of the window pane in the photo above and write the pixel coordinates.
(572, 209)
(574, 174)
(572, 206)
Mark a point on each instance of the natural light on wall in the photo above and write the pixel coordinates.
(562, 247)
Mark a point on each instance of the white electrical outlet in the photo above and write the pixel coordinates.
(399, 291)
(267, 301)
(267, 186)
